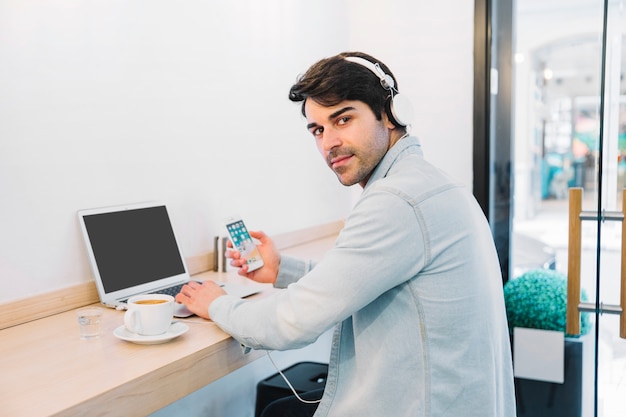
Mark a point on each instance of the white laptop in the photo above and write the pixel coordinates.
(133, 250)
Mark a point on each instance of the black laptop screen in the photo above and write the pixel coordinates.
(133, 247)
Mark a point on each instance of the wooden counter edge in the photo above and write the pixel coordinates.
(43, 305)
(165, 385)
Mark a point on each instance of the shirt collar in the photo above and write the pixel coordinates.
(405, 146)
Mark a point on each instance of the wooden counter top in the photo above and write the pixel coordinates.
(47, 370)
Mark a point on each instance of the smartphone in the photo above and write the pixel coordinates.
(242, 241)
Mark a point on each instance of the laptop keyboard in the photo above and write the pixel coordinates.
(170, 290)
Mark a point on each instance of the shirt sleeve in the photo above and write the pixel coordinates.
(291, 270)
(381, 246)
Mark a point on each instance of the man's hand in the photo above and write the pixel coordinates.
(271, 260)
(198, 297)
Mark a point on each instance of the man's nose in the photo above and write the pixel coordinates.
(331, 139)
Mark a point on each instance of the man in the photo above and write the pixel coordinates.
(412, 285)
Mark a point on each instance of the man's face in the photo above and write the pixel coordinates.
(350, 139)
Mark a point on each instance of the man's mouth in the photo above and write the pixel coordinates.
(340, 161)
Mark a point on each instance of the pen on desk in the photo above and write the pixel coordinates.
(216, 255)
(224, 240)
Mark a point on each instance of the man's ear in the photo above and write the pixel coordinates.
(387, 122)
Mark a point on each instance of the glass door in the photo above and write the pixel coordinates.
(568, 124)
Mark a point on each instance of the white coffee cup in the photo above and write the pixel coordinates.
(149, 314)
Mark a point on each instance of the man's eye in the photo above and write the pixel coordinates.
(343, 120)
(317, 131)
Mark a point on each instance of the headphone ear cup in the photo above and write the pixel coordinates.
(400, 110)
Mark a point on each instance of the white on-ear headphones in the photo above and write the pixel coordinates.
(400, 107)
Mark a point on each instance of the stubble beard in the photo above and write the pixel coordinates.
(351, 174)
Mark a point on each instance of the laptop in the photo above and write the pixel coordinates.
(133, 250)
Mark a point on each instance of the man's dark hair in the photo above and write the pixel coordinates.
(333, 80)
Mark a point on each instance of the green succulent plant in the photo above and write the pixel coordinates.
(537, 299)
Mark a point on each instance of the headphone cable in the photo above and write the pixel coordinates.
(289, 383)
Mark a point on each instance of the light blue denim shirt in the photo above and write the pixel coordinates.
(414, 289)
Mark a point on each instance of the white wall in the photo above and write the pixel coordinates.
(117, 101)
(108, 102)
(429, 46)
(114, 102)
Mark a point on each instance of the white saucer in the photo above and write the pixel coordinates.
(175, 330)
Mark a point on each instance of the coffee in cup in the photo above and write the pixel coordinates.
(149, 314)
(150, 301)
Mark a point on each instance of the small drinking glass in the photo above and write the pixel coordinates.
(89, 319)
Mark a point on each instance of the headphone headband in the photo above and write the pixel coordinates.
(400, 110)
(386, 80)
